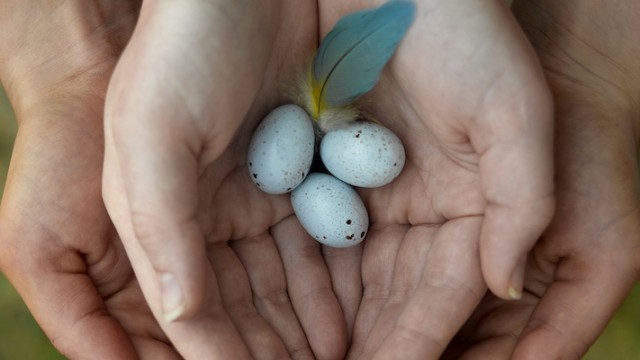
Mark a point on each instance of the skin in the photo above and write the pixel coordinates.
(472, 213)
(588, 259)
(61, 251)
(197, 230)
(476, 191)
(468, 204)
(59, 248)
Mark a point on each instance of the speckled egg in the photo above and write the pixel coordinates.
(330, 211)
(363, 154)
(281, 150)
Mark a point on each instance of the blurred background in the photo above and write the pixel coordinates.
(22, 339)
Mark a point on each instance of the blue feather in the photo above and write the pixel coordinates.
(351, 57)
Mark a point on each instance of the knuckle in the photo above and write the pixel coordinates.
(276, 297)
(146, 227)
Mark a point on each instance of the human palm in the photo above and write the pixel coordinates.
(177, 187)
(476, 190)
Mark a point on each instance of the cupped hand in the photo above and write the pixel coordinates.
(467, 97)
(588, 259)
(58, 247)
(194, 81)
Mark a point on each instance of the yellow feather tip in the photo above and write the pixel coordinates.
(308, 95)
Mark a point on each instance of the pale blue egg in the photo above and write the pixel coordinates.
(330, 211)
(281, 150)
(363, 154)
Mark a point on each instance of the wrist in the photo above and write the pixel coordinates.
(50, 48)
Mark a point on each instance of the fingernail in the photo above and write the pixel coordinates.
(172, 299)
(517, 279)
(514, 294)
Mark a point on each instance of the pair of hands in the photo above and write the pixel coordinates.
(467, 99)
(198, 231)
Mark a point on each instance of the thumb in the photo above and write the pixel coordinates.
(154, 129)
(517, 181)
(151, 183)
(159, 128)
(159, 175)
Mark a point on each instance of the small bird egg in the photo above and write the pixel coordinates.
(363, 154)
(330, 211)
(281, 150)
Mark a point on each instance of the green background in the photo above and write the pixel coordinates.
(21, 338)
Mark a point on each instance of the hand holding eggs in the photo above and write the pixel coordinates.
(347, 65)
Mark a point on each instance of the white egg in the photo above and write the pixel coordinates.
(330, 211)
(363, 154)
(281, 150)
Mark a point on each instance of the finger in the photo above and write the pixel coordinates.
(310, 289)
(62, 298)
(345, 270)
(516, 170)
(263, 265)
(142, 328)
(238, 300)
(493, 329)
(499, 347)
(378, 261)
(153, 349)
(79, 326)
(450, 288)
(158, 171)
(161, 188)
(408, 268)
(568, 320)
